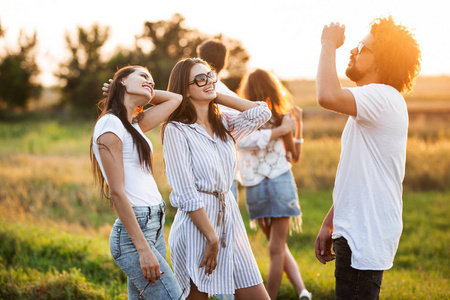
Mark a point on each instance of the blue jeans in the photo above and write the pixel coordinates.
(353, 284)
(151, 220)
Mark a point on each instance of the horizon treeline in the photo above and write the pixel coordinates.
(158, 47)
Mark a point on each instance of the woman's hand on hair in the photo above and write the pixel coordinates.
(297, 113)
(289, 156)
(288, 124)
(233, 102)
(105, 87)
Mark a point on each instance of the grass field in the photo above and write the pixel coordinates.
(54, 228)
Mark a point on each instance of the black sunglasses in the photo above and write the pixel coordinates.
(203, 79)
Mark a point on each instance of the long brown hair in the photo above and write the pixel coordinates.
(113, 104)
(186, 113)
(261, 85)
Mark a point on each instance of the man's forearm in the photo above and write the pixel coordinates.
(327, 78)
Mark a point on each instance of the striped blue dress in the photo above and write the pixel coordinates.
(197, 162)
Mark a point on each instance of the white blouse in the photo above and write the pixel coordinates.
(196, 162)
(259, 158)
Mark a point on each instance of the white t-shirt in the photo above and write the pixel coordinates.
(140, 186)
(368, 189)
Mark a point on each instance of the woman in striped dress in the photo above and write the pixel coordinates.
(210, 251)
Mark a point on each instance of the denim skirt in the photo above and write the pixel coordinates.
(151, 221)
(273, 198)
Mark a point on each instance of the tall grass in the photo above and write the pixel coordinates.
(64, 146)
(48, 259)
(43, 262)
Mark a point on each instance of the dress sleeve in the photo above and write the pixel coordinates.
(178, 162)
(243, 123)
(256, 140)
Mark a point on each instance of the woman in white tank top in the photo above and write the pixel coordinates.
(121, 159)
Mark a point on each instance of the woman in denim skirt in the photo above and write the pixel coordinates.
(264, 170)
(121, 160)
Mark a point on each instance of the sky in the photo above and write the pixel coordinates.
(282, 36)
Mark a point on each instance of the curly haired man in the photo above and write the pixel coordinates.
(364, 223)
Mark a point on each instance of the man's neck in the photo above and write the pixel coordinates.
(369, 79)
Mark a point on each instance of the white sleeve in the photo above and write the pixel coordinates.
(109, 123)
(371, 102)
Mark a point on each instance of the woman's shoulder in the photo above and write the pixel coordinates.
(109, 119)
(109, 123)
(175, 128)
(176, 125)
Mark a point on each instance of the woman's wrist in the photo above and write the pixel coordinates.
(212, 238)
(142, 246)
(216, 100)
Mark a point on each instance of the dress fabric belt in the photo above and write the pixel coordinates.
(221, 215)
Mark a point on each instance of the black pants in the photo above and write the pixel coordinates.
(353, 284)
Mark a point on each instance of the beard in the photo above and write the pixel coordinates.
(353, 73)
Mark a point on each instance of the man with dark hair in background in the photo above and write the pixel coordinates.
(215, 53)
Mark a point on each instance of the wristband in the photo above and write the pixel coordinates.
(299, 141)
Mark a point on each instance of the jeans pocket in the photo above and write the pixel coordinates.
(377, 277)
(152, 229)
(343, 269)
(114, 242)
(142, 221)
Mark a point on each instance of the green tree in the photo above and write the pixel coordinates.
(83, 74)
(163, 43)
(18, 73)
(159, 47)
